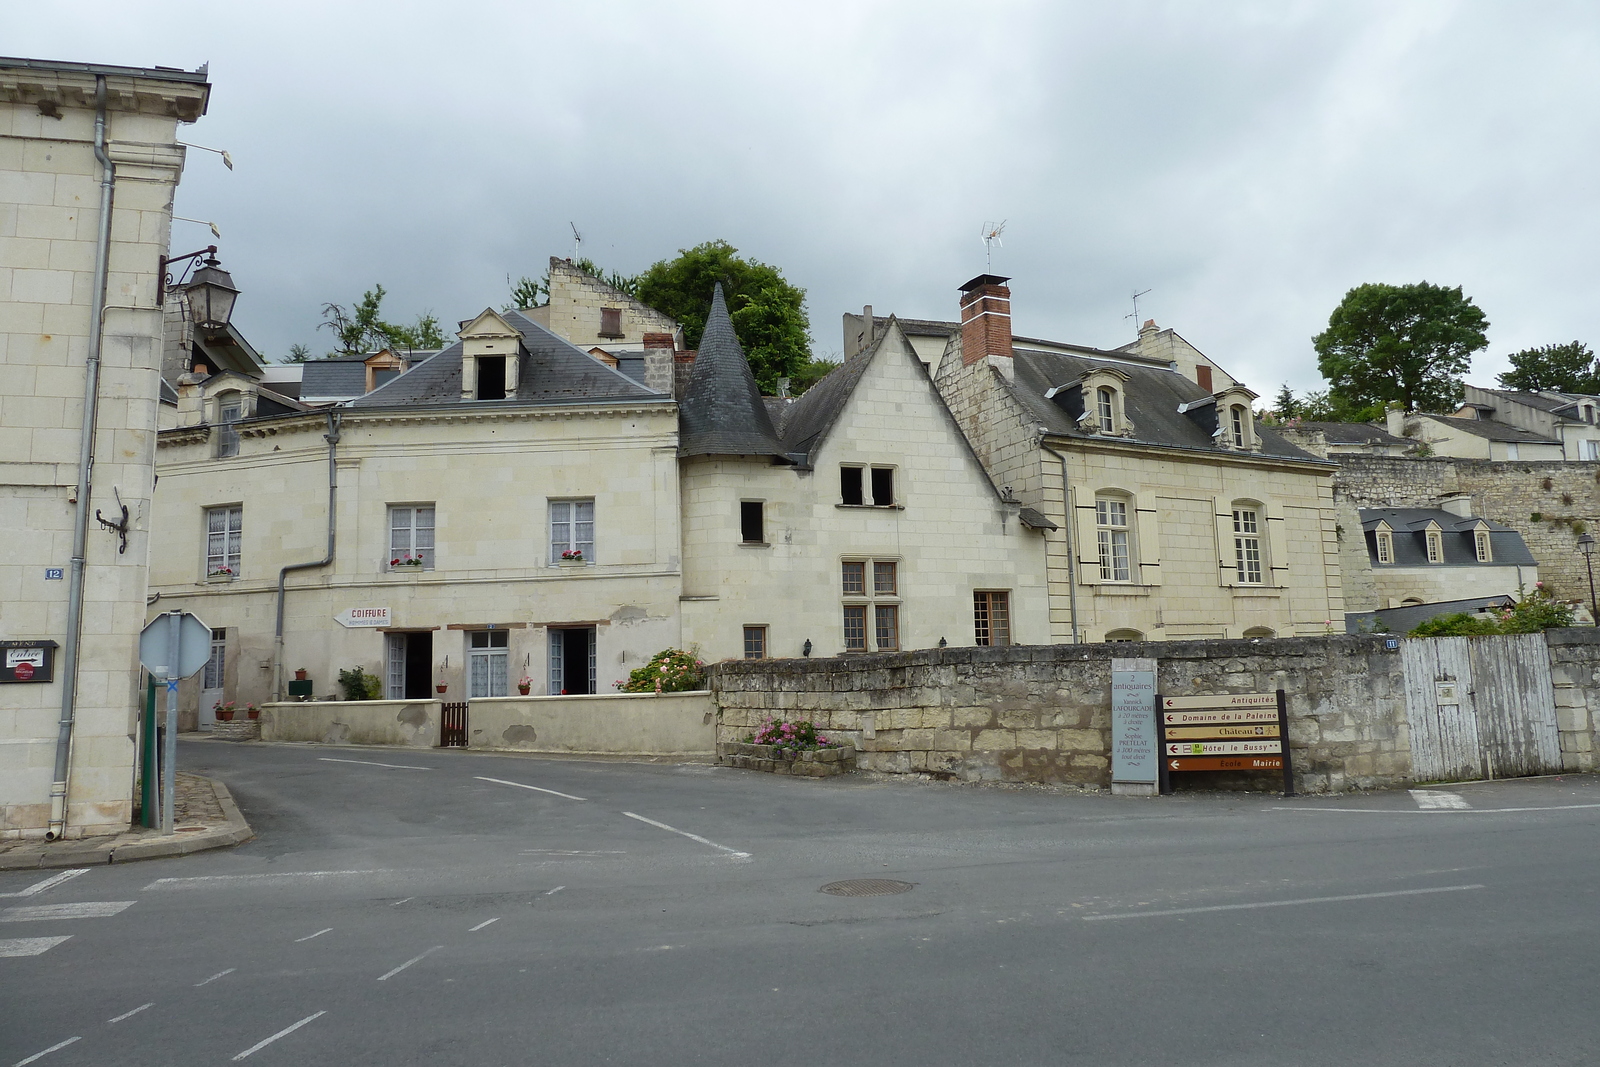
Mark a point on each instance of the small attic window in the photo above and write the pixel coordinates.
(1237, 419)
(491, 377)
(1105, 403)
(611, 322)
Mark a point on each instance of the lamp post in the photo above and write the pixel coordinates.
(1586, 548)
(209, 294)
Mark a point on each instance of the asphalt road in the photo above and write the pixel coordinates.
(431, 908)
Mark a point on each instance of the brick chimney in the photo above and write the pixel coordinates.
(985, 318)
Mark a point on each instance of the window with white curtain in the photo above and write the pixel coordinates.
(224, 529)
(571, 530)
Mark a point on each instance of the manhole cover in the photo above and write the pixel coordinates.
(867, 887)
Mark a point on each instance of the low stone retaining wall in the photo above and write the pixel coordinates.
(238, 729)
(615, 724)
(353, 722)
(811, 763)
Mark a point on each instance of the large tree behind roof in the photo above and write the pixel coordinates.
(1407, 343)
(1568, 368)
(768, 314)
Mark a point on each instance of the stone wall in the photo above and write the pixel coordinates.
(615, 724)
(1043, 713)
(1510, 492)
(354, 722)
(1575, 673)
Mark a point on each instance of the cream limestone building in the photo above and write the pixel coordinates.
(854, 519)
(455, 489)
(80, 331)
(1176, 514)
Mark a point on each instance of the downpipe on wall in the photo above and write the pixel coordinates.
(335, 419)
(1068, 520)
(80, 531)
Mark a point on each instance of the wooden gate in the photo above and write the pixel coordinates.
(453, 728)
(1480, 707)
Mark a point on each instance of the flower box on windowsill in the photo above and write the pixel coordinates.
(405, 568)
(225, 576)
(572, 563)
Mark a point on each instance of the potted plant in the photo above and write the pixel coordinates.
(441, 687)
(223, 573)
(224, 712)
(252, 712)
(300, 674)
(572, 557)
(406, 561)
(524, 685)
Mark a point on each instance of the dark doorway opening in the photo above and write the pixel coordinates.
(572, 661)
(419, 665)
(491, 377)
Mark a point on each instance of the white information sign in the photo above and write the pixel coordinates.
(34, 656)
(363, 617)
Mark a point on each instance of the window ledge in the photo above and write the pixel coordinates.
(872, 507)
(1256, 590)
(408, 570)
(755, 544)
(221, 579)
(1121, 589)
(573, 564)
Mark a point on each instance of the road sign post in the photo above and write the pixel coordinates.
(173, 646)
(1224, 732)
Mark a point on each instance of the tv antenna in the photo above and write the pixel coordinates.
(991, 237)
(1135, 315)
(577, 239)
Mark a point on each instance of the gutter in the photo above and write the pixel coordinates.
(80, 530)
(1068, 519)
(332, 437)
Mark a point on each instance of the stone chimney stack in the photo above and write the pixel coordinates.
(1395, 421)
(1457, 504)
(985, 318)
(191, 402)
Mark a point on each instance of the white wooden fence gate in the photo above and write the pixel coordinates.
(1480, 707)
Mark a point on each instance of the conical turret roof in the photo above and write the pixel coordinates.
(721, 413)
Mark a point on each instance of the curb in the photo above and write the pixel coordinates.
(76, 854)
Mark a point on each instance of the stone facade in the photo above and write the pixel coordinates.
(577, 301)
(50, 183)
(1043, 714)
(806, 763)
(1565, 496)
(1575, 674)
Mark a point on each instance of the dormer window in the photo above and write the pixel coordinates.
(490, 358)
(491, 378)
(1237, 420)
(1385, 546)
(1435, 546)
(1485, 550)
(1106, 408)
(1099, 402)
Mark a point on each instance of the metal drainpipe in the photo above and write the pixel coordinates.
(80, 530)
(332, 437)
(1068, 519)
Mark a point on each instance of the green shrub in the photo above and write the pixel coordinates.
(1459, 624)
(1531, 614)
(359, 685)
(671, 670)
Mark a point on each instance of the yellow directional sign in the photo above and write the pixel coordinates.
(1210, 733)
(1222, 700)
(1204, 717)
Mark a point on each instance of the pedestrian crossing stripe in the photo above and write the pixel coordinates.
(29, 946)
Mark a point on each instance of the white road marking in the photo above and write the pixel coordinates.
(1281, 903)
(49, 883)
(308, 937)
(519, 785)
(407, 963)
(1435, 798)
(481, 925)
(218, 880)
(213, 978)
(29, 946)
(369, 763)
(735, 853)
(397, 903)
(89, 909)
(46, 1052)
(1438, 811)
(285, 1032)
(556, 890)
(572, 852)
(131, 1014)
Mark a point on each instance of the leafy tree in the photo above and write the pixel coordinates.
(1286, 406)
(297, 354)
(1410, 343)
(361, 329)
(1568, 368)
(1321, 405)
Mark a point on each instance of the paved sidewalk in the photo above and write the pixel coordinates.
(205, 816)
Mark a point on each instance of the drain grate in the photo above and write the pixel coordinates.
(867, 887)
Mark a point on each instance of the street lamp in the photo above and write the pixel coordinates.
(1586, 547)
(209, 294)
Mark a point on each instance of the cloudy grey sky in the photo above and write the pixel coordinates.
(1246, 161)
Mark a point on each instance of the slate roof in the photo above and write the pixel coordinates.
(1494, 431)
(722, 412)
(1411, 547)
(1402, 619)
(1151, 396)
(336, 378)
(1543, 403)
(551, 371)
(807, 421)
(1356, 433)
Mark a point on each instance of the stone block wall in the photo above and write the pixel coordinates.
(1043, 713)
(1508, 492)
(1575, 674)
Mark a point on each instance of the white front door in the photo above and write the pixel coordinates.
(212, 684)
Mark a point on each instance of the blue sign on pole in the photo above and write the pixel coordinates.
(172, 685)
(53, 574)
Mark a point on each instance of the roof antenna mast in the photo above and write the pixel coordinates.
(577, 239)
(991, 237)
(1135, 316)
